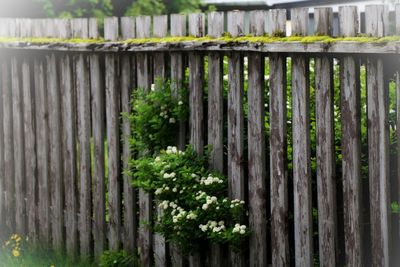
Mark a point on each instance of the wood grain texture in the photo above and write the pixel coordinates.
(19, 143)
(256, 148)
(377, 21)
(351, 134)
(145, 199)
(80, 29)
(2, 175)
(326, 182)
(113, 137)
(215, 112)
(278, 147)
(98, 135)
(301, 147)
(236, 187)
(127, 84)
(160, 29)
(397, 10)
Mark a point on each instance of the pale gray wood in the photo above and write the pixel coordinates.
(160, 29)
(236, 188)
(98, 133)
(301, 147)
(398, 138)
(69, 131)
(236, 23)
(56, 166)
(178, 25)
(377, 20)
(113, 137)
(127, 84)
(278, 146)
(19, 155)
(145, 199)
(9, 195)
(215, 24)
(351, 133)
(80, 29)
(257, 22)
(196, 80)
(256, 148)
(325, 131)
(215, 111)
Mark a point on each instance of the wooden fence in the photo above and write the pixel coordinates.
(60, 110)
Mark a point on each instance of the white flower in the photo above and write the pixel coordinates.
(213, 199)
(153, 86)
(166, 175)
(172, 120)
(205, 206)
(203, 227)
(220, 223)
(242, 232)
(172, 175)
(158, 191)
(174, 190)
(180, 103)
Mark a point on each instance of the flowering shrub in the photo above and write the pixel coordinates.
(155, 117)
(192, 199)
(13, 245)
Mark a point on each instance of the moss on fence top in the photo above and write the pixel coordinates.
(225, 39)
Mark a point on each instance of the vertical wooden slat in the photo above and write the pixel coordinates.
(68, 113)
(127, 84)
(9, 189)
(19, 155)
(216, 110)
(178, 28)
(235, 120)
(113, 136)
(278, 145)
(42, 141)
(80, 30)
(377, 22)
(397, 14)
(98, 133)
(30, 141)
(301, 147)
(256, 146)
(160, 29)
(351, 134)
(145, 200)
(327, 222)
(55, 155)
(2, 175)
(196, 76)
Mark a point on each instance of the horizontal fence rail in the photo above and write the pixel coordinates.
(305, 129)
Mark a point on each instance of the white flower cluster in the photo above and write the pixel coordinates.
(200, 195)
(241, 229)
(209, 201)
(210, 180)
(164, 204)
(213, 226)
(169, 175)
(164, 114)
(236, 202)
(171, 150)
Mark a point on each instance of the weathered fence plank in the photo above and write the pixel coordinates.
(351, 155)
(215, 111)
(127, 84)
(2, 175)
(301, 147)
(256, 147)
(278, 146)
(160, 29)
(55, 153)
(80, 29)
(236, 187)
(377, 23)
(145, 200)
(196, 77)
(42, 141)
(98, 135)
(326, 184)
(30, 142)
(178, 28)
(113, 136)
